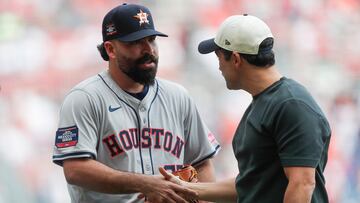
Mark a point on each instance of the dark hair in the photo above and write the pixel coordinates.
(265, 57)
(227, 53)
(103, 52)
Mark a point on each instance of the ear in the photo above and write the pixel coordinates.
(237, 59)
(110, 49)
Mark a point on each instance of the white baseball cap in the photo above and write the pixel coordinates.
(239, 33)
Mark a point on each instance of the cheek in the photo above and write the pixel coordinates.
(131, 52)
(222, 65)
(125, 61)
(155, 50)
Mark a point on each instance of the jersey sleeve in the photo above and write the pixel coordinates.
(201, 144)
(301, 134)
(76, 134)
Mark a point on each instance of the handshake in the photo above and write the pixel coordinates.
(181, 177)
(182, 186)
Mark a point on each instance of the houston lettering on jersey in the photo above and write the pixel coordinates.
(156, 138)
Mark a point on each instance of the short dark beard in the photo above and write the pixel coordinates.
(139, 75)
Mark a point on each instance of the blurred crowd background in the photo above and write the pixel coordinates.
(46, 47)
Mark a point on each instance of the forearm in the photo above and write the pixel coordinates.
(95, 176)
(206, 171)
(301, 184)
(222, 191)
(299, 192)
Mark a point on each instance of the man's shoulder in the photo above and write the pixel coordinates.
(290, 89)
(88, 83)
(171, 87)
(296, 91)
(172, 92)
(90, 87)
(292, 92)
(283, 92)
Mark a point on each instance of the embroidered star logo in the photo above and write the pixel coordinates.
(142, 17)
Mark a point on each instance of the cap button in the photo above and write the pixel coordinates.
(124, 4)
(245, 14)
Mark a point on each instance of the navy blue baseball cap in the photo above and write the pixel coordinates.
(129, 22)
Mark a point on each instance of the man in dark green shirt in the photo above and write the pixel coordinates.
(282, 141)
(282, 132)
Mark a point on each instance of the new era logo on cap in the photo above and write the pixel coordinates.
(128, 22)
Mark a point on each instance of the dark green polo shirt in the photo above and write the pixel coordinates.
(283, 126)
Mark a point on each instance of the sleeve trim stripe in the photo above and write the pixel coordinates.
(57, 159)
(217, 148)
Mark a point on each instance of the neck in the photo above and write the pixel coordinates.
(124, 81)
(259, 79)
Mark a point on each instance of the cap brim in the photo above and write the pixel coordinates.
(141, 34)
(207, 46)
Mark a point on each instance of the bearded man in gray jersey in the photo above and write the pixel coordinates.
(118, 127)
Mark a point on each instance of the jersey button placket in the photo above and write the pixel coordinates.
(143, 110)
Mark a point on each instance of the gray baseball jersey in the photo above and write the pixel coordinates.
(101, 121)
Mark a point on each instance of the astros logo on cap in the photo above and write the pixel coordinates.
(142, 17)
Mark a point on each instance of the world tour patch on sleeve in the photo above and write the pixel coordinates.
(67, 137)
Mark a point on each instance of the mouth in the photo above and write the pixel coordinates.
(148, 64)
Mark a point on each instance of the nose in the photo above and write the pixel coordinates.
(148, 47)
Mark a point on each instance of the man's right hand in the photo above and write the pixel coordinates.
(159, 189)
